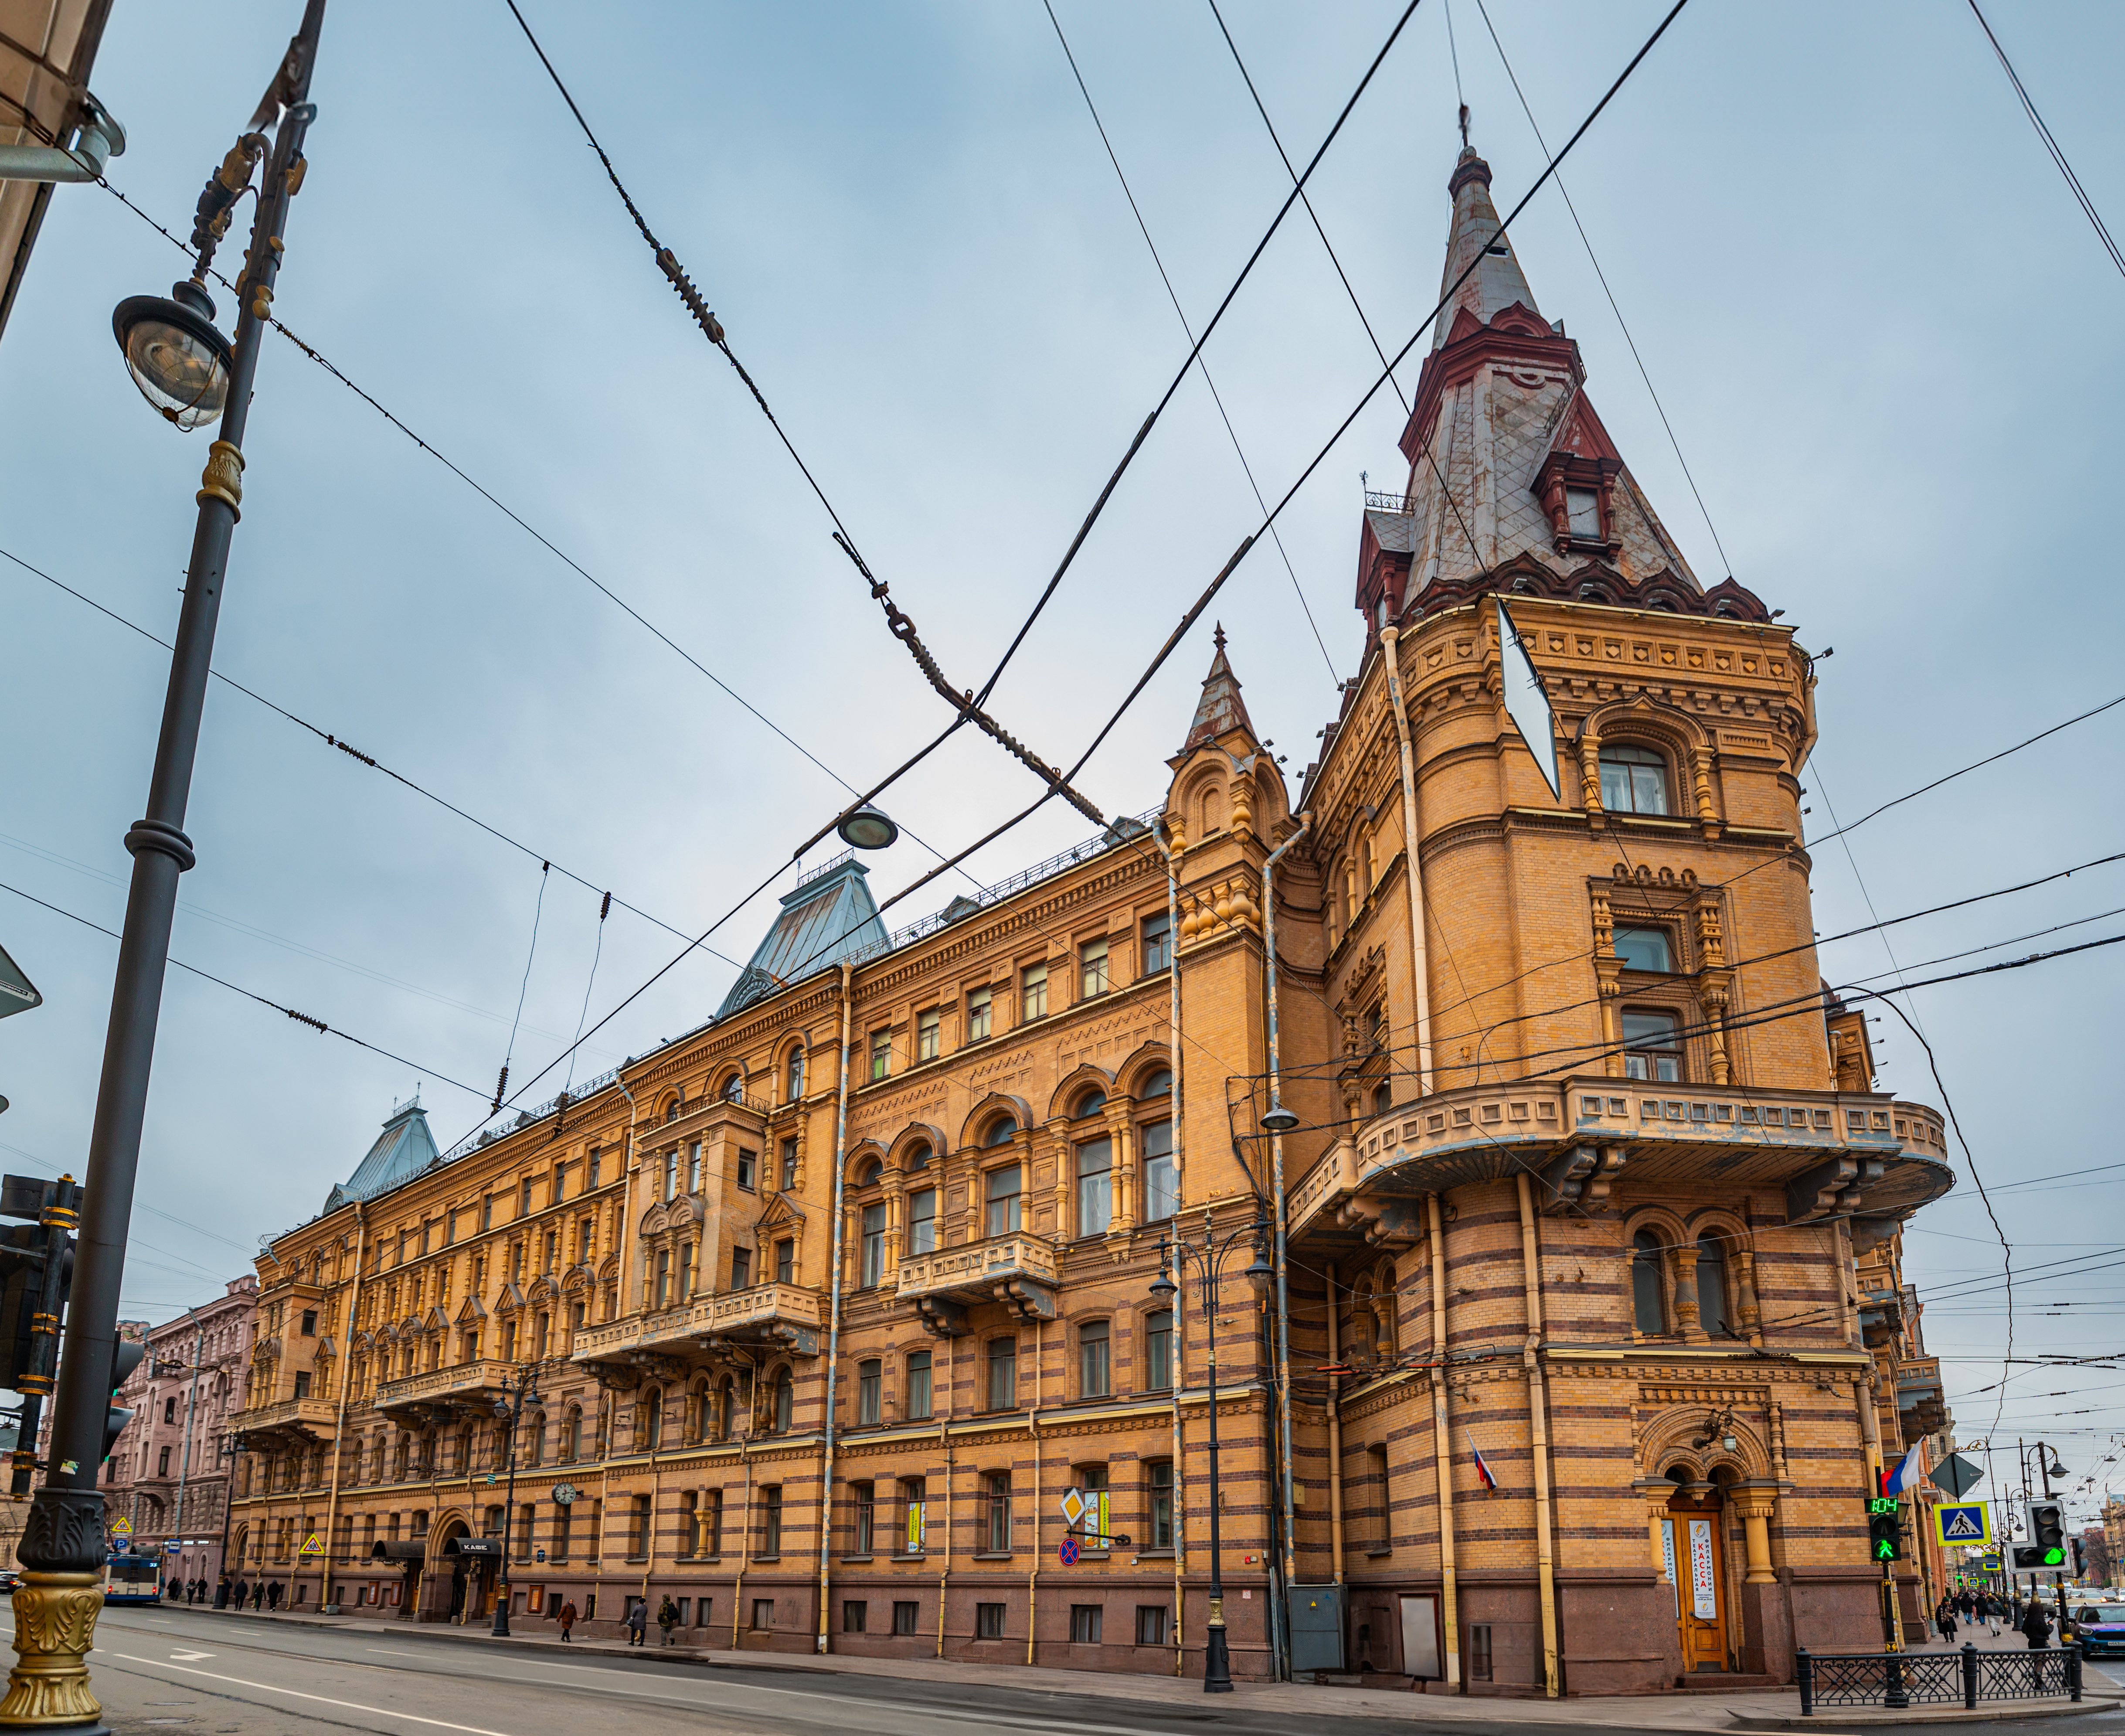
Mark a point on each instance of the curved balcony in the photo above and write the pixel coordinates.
(775, 1315)
(297, 1419)
(1833, 1153)
(468, 1383)
(1016, 1271)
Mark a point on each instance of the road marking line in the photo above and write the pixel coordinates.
(351, 1705)
(188, 1657)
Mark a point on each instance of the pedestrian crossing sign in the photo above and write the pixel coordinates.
(1968, 1523)
(311, 1547)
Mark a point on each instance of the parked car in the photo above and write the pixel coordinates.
(2099, 1627)
(9, 1579)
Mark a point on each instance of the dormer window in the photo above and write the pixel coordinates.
(1582, 509)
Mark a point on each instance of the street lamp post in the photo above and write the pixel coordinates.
(231, 1448)
(62, 1540)
(1209, 1258)
(515, 1412)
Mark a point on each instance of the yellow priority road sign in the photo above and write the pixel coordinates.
(311, 1547)
(1966, 1522)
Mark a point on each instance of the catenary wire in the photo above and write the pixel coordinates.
(1187, 331)
(301, 1018)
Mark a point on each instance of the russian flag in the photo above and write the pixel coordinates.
(1905, 1478)
(1482, 1469)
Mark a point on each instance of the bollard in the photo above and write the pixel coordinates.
(1804, 1674)
(1969, 1676)
(2073, 1672)
(1894, 1697)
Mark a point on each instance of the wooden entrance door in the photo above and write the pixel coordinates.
(1699, 1571)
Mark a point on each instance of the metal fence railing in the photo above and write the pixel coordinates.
(1898, 1679)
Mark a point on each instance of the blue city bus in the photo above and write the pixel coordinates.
(132, 1579)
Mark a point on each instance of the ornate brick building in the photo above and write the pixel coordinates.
(831, 1305)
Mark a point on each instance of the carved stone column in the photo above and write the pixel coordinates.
(1123, 1174)
(1657, 1494)
(1589, 776)
(1682, 1278)
(1707, 813)
(1608, 976)
(1745, 1287)
(1755, 1503)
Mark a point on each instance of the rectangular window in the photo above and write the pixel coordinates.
(1158, 1350)
(1161, 1185)
(1583, 509)
(1159, 1487)
(789, 1164)
(560, 1183)
(1652, 1049)
(1085, 1623)
(1092, 965)
(1003, 1373)
(853, 1612)
(562, 1517)
(690, 1525)
(870, 1380)
(524, 1198)
(922, 1221)
(1157, 943)
(980, 1006)
(786, 1261)
(551, 1259)
(1096, 1526)
(591, 1178)
(672, 1174)
(487, 1212)
(309, 1323)
(703, 1610)
(999, 1512)
(927, 1027)
(660, 1293)
(693, 1167)
(881, 1053)
(741, 1268)
(1096, 1186)
(1479, 1652)
(988, 1620)
(163, 1466)
(918, 1386)
(1644, 949)
(1093, 1361)
(748, 1166)
(771, 1520)
(863, 1501)
(712, 1523)
(904, 1616)
(1002, 1189)
(763, 1613)
(686, 1270)
(914, 1504)
(639, 1528)
(302, 1386)
(873, 1246)
(1151, 1619)
(586, 1240)
(1032, 993)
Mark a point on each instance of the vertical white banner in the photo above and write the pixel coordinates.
(1526, 701)
(1703, 1589)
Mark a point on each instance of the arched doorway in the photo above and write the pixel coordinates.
(1693, 1543)
(459, 1567)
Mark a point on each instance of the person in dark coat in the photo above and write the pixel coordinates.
(1943, 1618)
(258, 1594)
(273, 1595)
(2037, 1626)
(637, 1621)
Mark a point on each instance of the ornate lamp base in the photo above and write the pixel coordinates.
(54, 1631)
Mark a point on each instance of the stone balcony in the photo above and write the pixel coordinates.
(787, 1315)
(468, 1383)
(1833, 1153)
(1018, 1271)
(305, 1419)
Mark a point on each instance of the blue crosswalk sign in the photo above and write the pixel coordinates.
(1960, 1522)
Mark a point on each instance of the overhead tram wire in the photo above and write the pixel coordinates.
(523, 988)
(1585, 242)
(1078, 542)
(1187, 331)
(1475, 549)
(968, 708)
(317, 1024)
(2052, 145)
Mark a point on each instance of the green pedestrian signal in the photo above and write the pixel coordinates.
(1885, 1531)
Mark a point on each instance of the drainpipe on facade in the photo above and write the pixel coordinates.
(1180, 1171)
(1442, 1451)
(1545, 1556)
(834, 1318)
(325, 1604)
(1276, 1157)
(1418, 946)
(1033, 1428)
(1335, 1429)
(945, 1573)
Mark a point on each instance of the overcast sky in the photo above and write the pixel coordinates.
(1886, 339)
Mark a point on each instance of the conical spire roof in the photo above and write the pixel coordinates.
(1221, 708)
(1497, 281)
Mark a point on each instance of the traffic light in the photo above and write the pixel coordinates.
(2048, 1534)
(1885, 1531)
(2079, 1561)
(125, 1357)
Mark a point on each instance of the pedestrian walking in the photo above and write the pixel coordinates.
(568, 1618)
(637, 1620)
(667, 1617)
(1943, 1618)
(273, 1595)
(1992, 1614)
(258, 1594)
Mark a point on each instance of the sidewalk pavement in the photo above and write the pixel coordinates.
(1740, 1708)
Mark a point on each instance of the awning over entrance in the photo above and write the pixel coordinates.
(414, 1551)
(477, 1548)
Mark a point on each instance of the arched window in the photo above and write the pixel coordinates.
(652, 1407)
(1633, 779)
(1000, 1132)
(1647, 1313)
(725, 1408)
(796, 1078)
(734, 1087)
(870, 1171)
(1157, 1084)
(675, 1108)
(1712, 1285)
(918, 1158)
(785, 1401)
(572, 1435)
(1090, 1104)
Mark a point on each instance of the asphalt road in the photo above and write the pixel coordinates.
(158, 1670)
